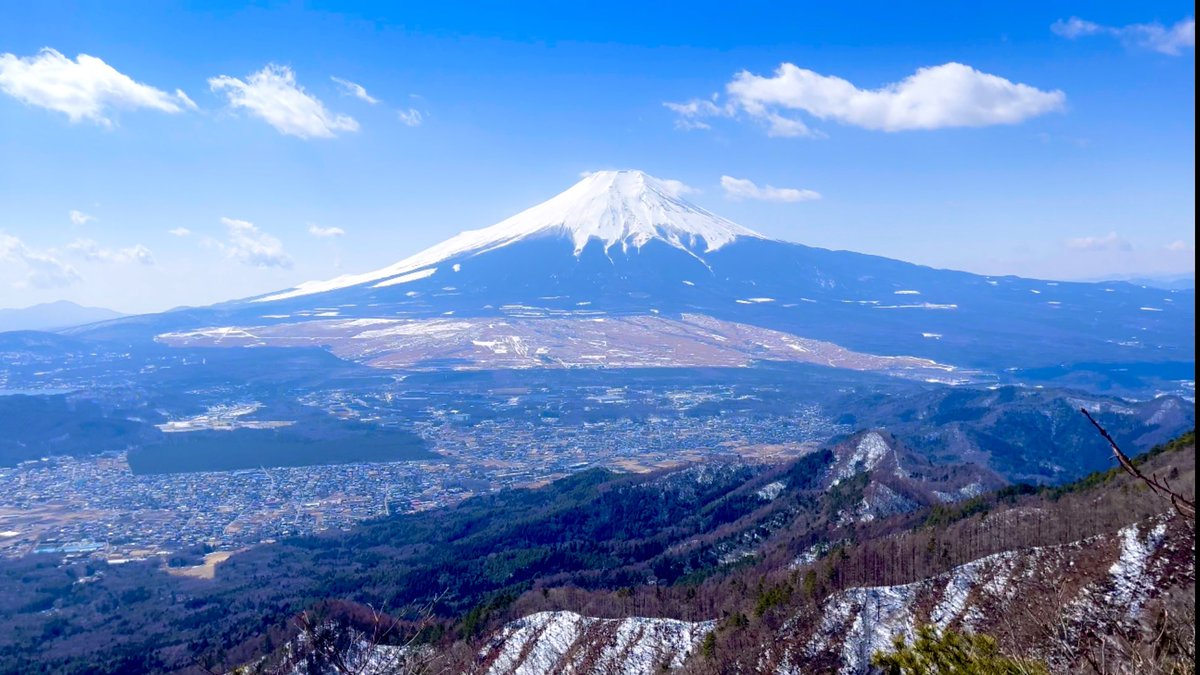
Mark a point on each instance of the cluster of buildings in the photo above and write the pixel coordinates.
(96, 507)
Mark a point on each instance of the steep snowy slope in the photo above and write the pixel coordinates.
(1086, 586)
(570, 644)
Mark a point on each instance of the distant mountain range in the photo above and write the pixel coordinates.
(53, 315)
(1168, 282)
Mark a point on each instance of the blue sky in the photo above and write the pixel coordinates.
(1061, 147)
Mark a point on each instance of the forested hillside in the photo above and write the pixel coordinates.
(756, 564)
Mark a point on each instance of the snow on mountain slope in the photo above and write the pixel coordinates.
(625, 208)
(978, 595)
(559, 342)
(900, 480)
(1081, 587)
(566, 642)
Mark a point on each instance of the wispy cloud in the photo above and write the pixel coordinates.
(677, 188)
(251, 246)
(1179, 245)
(949, 95)
(741, 188)
(79, 217)
(1171, 40)
(84, 89)
(272, 95)
(180, 232)
(354, 89)
(690, 114)
(411, 117)
(325, 232)
(88, 249)
(1108, 242)
(42, 269)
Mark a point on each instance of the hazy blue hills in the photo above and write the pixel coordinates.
(52, 315)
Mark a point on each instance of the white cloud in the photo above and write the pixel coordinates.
(86, 88)
(691, 113)
(1170, 40)
(180, 232)
(41, 268)
(741, 188)
(273, 95)
(787, 127)
(88, 249)
(1109, 242)
(1179, 245)
(411, 117)
(80, 218)
(251, 246)
(949, 95)
(1076, 27)
(325, 232)
(677, 188)
(354, 89)
(186, 100)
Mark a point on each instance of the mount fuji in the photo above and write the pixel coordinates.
(621, 271)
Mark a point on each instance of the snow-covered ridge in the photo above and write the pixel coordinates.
(566, 642)
(857, 622)
(870, 450)
(626, 208)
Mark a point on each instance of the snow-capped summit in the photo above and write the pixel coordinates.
(606, 208)
(622, 207)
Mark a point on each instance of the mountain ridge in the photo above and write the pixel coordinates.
(53, 315)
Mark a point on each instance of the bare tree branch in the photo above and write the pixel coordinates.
(1184, 506)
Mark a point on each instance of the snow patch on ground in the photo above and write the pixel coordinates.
(880, 501)
(548, 643)
(1129, 579)
(359, 323)
(1168, 406)
(811, 555)
(858, 621)
(867, 619)
(868, 453)
(771, 491)
(922, 305)
(406, 278)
